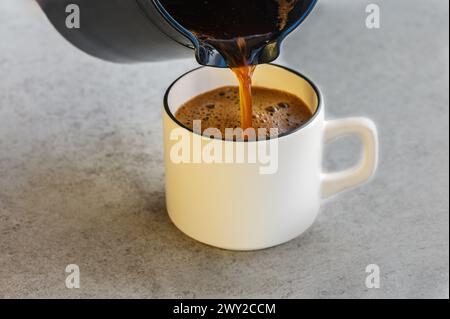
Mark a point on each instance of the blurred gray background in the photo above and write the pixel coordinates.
(81, 170)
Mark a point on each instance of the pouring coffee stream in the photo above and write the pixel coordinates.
(238, 34)
(240, 31)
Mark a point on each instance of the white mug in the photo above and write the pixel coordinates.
(236, 206)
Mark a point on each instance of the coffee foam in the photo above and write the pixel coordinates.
(220, 109)
(285, 7)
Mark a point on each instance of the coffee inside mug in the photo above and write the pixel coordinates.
(270, 76)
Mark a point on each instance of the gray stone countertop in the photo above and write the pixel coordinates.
(82, 180)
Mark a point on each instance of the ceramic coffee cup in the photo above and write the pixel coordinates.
(248, 204)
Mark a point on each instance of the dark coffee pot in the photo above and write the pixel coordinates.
(129, 31)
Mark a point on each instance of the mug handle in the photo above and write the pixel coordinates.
(333, 183)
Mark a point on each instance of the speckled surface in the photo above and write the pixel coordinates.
(81, 171)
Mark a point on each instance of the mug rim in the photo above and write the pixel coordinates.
(296, 130)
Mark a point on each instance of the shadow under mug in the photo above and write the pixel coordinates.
(233, 205)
